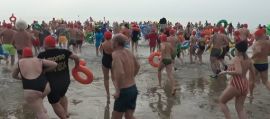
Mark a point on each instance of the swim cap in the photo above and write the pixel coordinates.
(172, 32)
(50, 41)
(222, 30)
(9, 26)
(216, 30)
(163, 38)
(27, 52)
(241, 46)
(108, 35)
(260, 32)
(202, 34)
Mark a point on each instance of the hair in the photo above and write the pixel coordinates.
(120, 39)
(242, 47)
(21, 25)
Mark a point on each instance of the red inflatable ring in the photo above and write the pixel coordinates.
(12, 18)
(151, 59)
(82, 68)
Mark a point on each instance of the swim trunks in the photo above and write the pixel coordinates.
(72, 42)
(63, 39)
(9, 49)
(224, 52)
(79, 42)
(215, 52)
(166, 61)
(126, 100)
(261, 67)
(107, 60)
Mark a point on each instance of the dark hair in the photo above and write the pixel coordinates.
(242, 47)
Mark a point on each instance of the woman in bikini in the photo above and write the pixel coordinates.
(238, 86)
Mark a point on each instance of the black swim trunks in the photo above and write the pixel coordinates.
(261, 67)
(215, 52)
(19, 52)
(127, 99)
(107, 60)
(224, 52)
(72, 42)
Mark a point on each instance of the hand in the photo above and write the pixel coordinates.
(223, 72)
(116, 95)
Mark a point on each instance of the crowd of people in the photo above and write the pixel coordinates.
(46, 71)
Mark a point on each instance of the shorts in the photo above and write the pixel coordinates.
(261, 67)
(19, 52)
(224, 52)
(63, 39)
(215, 52)
(9, 49)
(135, 40)
(127, 99)
(58, 90)
(72, 42)
(79, 42)
(36, 42)
(97, 44)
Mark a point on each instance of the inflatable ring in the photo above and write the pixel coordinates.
(185, 45)
(37, 27)
(85, 70)
(151, 59)
(233, 52)
(12, 18)
(225, 23)
(268, 29)
(89, 38)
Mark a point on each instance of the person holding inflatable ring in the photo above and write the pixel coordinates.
(59, 79)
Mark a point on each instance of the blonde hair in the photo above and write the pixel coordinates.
(21, 25)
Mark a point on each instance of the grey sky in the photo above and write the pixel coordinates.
(245, 11)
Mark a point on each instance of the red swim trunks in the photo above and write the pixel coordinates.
(36, 42)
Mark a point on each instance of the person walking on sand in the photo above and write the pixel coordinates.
(125, 67)
(166, 62)
(238, 86)
(59, 79)
(35, 83)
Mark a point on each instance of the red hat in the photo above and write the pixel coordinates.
(9, 26)
(260, 32)
(163, 38)
(216, 30)
(108, 35)
(172, 32)
(222, 30)
(27, 52)
(50, 41)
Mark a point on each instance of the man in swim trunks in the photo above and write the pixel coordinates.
(226, 47)
(22, 38)
(59, 79)
(216, 41)
(7, 42)
(79, 40)
(166, 62)
(73, 32)
(125, 67)
(135, 37)
(261, 51)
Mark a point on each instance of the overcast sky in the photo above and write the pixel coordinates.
(253, 12)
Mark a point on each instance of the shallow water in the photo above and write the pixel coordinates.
(196, 96)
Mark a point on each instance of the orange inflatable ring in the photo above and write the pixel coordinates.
(151, 59)
(12, 19)
(82, 68)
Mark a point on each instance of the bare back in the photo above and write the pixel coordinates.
(261, 50)
(173, 40)
(245, 64)
(30, 68)
(22, 39)
(217, 40)
(107, 47)
(166, 50)
(7, 36)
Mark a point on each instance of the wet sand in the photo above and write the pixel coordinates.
(196, 96)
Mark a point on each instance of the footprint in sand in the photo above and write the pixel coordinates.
(75, 102)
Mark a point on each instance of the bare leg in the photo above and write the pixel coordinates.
(129, 114)
(64, 103)
(251, 84)
(136, 46)
(106, 82)
(190, 56)
(117, 115)
(264, 77)
(59, 110)
(226, 96)
(97, 51)
(239, 106)
(170, 76)
(12, 58)
(159, 73)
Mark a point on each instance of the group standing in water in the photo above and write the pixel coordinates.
(48, 75)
